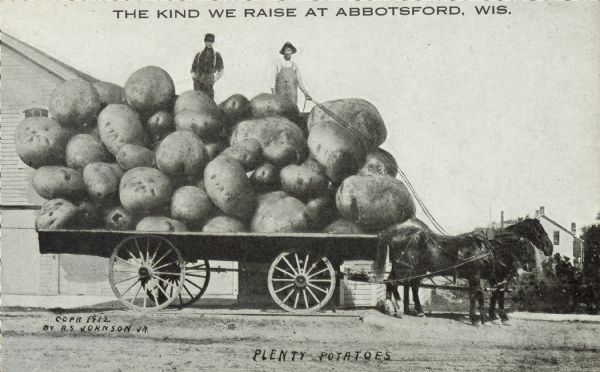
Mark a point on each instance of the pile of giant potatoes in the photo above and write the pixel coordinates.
(141, 157)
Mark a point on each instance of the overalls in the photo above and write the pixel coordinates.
(286, 85)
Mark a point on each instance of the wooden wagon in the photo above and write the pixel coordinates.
(151, 271)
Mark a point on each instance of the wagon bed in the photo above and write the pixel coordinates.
(172, 267)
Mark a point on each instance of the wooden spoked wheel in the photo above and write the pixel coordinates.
(146, 272)
(197, 275)
(300, 283)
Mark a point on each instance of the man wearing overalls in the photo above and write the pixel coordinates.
(207, 67)
(287, 76)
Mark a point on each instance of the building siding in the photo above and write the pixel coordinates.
(24, 85)
(565, 246)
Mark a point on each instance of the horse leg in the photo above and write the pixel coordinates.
(407, 298)
(390, 306)
(480, 299)
(492, 310)
(472, 294)
(503, 316)
(415, 292)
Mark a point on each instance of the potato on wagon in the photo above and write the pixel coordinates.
(266, 104)
(109, 93)
(41, 141)
(121, 125)
(118, 218)
(83, 149)
(224, 224)
(278, 212)
(75, 103)
(229, 188)
(159, 125)
(181, 154)
(57, 214)
(133, 156)
(144, 190)
(149, 89)
(52, 182)
(160, 224)
(202, 123)
(102, 181)
(194, 100)
(191, 205)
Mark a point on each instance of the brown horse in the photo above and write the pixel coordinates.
(416, 252)
(514, 247)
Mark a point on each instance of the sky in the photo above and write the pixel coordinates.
(485, 113)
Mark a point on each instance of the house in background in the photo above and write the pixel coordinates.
(565, 241)
(28, 78)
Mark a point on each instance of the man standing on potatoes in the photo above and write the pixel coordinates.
(287, 77)
(207, 67)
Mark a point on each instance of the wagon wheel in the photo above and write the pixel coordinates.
(146, 272)
(197, 276)
(300, 283)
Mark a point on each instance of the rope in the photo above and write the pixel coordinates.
(399, 171)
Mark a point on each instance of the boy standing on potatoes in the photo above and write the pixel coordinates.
(287, 78)
(207, 67)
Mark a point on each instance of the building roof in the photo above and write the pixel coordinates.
(558, 225)
(44, 60)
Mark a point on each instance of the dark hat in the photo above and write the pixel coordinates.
(288, 45)
(210, 38)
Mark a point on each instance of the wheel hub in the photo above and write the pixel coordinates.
(300, 281)
(144, 273)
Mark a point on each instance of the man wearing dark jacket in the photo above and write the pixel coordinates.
(207, 67)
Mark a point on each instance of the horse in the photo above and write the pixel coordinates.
(469, 256)
(416, 252)
(513, 248)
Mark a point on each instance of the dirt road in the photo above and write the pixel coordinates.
(215, 340)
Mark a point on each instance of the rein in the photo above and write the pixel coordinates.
(465, 262)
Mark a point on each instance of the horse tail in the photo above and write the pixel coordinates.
(381, 259)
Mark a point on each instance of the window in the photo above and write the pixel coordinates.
(556, 237)
(36, 112)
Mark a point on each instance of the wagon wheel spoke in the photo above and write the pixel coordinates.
(297, 263)
(129, 289)
(125, 262)
(197, 267)
(282, 280)
(284, 288)
(312, 294)
(317, 288)
(165, 255)
(317, 273)
(289, 295)
(290, 265)
(136, 294)
(305, 264)
(285, 272)
(305, 299)
(296, 300)
(165, 273)
(141, 255)
(197, 277)
(124, 280)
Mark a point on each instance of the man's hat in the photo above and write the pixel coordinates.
(209, 38)
(288, 45)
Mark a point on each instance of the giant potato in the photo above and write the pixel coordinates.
(149, 89)
(194, 100)
(281, 155)
(374, 202)
(109, 93)
(271, 131)
(160, 224)
(203, 123)
(41, 141)
(236, 108)
(224, 224)
(266, 104)
(278, 212)
(359, 114)
(247, 152)
(75, 103)
(302, 182)
(215, 147)
(265, 176)
(343, 226)
(52, 182)
(133, 156)
(379, 162)
(181, 153)
(83, 149)
(159, 125)
(338, 151)
(117, 218)
(144, 190)
(191, 205)
(229, 188)
(120, 125)
(56, 214)
(102, 181)
(320, 212)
